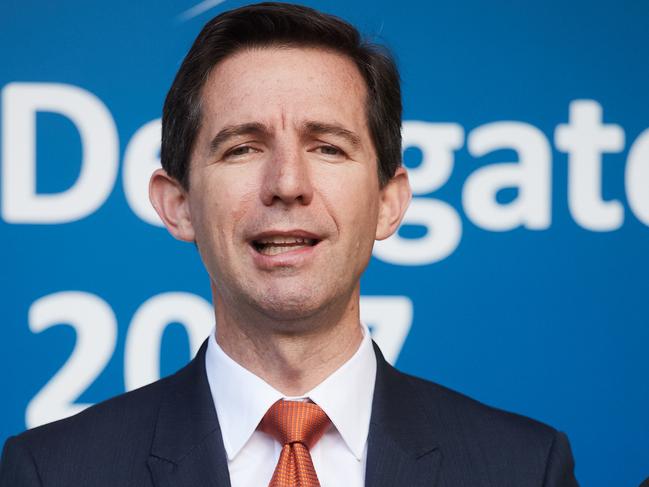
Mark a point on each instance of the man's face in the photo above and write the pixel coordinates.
(284, 198)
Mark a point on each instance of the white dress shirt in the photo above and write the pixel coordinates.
(241, 399)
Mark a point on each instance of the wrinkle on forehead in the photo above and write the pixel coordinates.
(324, 71)
(283, 87)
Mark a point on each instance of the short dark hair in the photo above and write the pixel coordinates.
(281, 24)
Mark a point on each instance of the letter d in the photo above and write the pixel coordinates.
(99, 163)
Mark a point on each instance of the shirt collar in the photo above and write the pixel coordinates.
(241, 398)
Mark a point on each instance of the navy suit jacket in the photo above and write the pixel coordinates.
(167, 435)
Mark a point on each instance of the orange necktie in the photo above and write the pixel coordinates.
(297, 426)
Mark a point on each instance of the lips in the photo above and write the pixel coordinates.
(276, 243)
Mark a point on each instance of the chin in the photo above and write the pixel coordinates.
(291, 307)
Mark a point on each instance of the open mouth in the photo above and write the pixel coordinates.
(280, 245)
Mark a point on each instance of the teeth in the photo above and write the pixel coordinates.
(285, 241)
(277, 249)
(279, 245)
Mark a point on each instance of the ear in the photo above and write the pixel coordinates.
(170, 200)
(395, 198)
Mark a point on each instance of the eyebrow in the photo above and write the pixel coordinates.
(323, 128)
(261, 130)
(251, 128)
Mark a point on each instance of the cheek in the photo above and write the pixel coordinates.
(353, 201)
(218, 210)
(240, 206)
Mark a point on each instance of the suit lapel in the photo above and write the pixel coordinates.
(401, 445)
(187, 449)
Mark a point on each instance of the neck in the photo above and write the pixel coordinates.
(292, 356)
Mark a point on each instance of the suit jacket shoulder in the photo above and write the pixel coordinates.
(124, 441)
(167, 434)
(457, 440)
(115, 433)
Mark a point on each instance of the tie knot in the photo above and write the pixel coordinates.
(295, 421)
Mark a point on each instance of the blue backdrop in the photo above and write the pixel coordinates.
(519, 276)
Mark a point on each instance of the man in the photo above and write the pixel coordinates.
(281, 156)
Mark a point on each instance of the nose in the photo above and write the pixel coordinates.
(287, 179)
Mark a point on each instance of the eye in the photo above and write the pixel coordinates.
(330, 150)
(241, 150)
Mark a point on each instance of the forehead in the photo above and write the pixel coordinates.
(285, 85)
